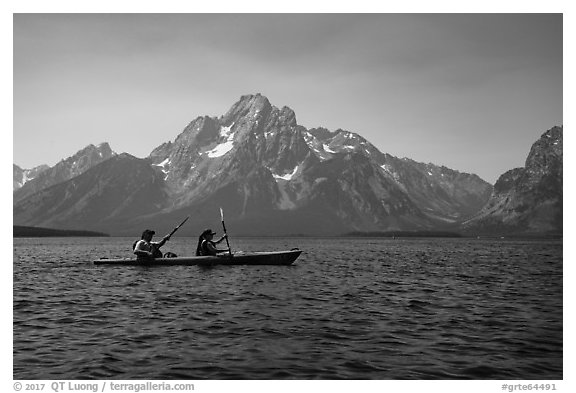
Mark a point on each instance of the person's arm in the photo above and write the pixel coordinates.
(215, 251)
(140, 249)
(222, 238)
(161, 242)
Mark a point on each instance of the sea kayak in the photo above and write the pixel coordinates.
(251, 258)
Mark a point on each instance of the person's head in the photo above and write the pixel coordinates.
(147, 235)
(208, 234)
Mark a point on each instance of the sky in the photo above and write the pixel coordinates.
(472, 92)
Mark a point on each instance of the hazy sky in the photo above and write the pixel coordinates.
(469, 91)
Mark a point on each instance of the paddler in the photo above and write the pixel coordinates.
(145, 248)
(206, 245)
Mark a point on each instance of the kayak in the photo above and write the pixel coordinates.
(249, 258)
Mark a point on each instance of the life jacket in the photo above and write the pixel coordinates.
(156, 253)
(204, 248)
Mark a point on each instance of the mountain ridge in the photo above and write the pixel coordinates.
(65, 169)
(527, 200)
(22, 176)
(274, 176)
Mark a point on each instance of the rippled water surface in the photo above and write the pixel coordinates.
(348, 308)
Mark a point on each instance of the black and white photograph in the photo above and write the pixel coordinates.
(261, 196)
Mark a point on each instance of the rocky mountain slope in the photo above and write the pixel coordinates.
(123, 188)
(527, 200)
(65, 170)
(271, 175)
(23, 176)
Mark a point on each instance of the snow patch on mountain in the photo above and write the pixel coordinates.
(221, 149)
(25, 179)
(163, 165)
(225, 131)
(225, 147)
(309, 138)
(321, 150)
(321, 154)
(327, 148)
(287, 176)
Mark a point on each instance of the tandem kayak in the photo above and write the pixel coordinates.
(251, 258)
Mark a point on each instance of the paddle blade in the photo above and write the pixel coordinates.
(222, 214)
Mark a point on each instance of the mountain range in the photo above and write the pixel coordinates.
(272, 176)
(64, 170)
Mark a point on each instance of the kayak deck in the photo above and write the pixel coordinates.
(253, 258)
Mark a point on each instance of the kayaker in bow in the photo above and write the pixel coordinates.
(206, 246)
(146, 249)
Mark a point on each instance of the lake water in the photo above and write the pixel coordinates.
(347, 309)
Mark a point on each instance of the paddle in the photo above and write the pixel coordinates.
(178, 227)
(165, 238)
(225, 233)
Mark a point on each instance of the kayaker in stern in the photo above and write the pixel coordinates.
(145, 248)
(206, 246)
